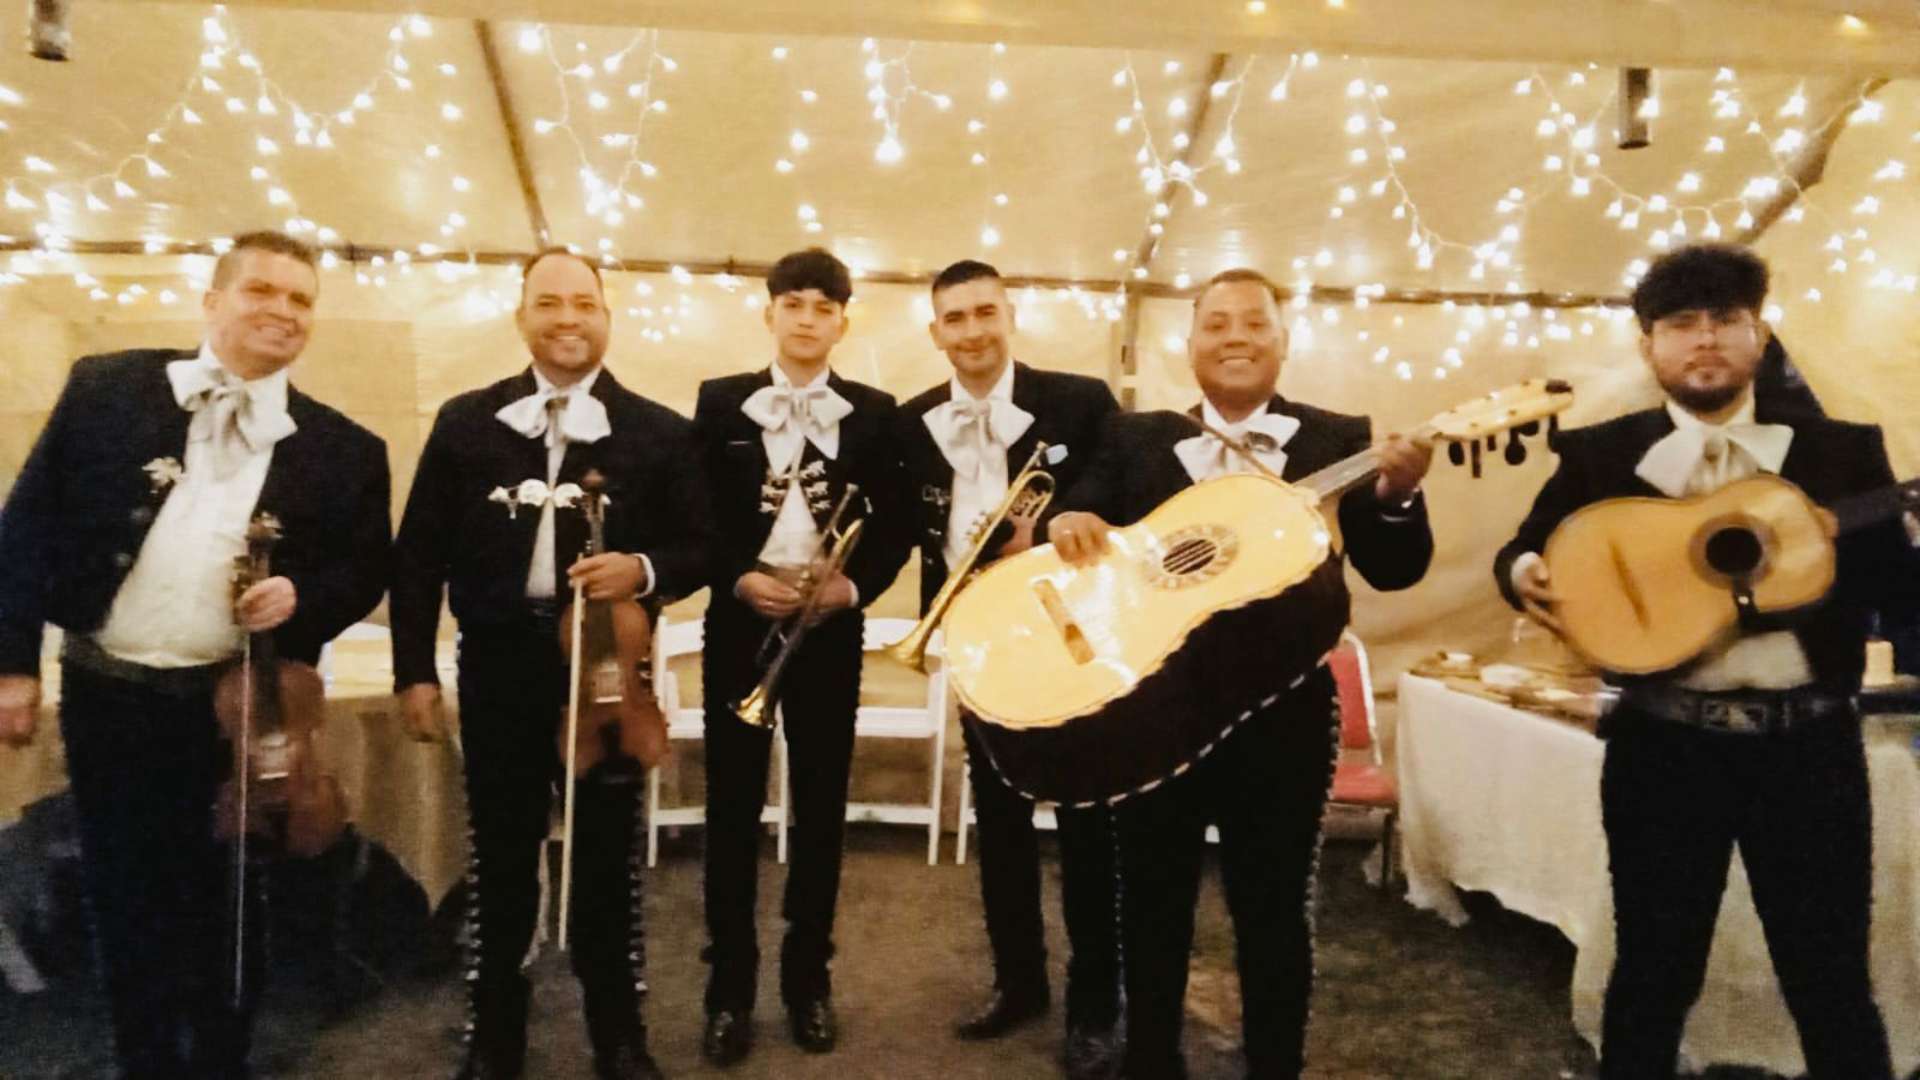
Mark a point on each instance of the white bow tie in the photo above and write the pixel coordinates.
(1671, 463)
(1206, 456)
(788, 414)
(225, 415)
(967, 430)
(583, 419)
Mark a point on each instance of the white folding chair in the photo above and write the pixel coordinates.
(926, 721)
(688, 724)
(1043, 815)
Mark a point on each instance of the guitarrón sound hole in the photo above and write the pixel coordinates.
(1189, 556)
(1734, 551)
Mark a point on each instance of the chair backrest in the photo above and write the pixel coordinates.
(671, 639)
(1354, 680)
(882, 634)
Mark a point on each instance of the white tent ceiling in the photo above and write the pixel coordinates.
(695, 147)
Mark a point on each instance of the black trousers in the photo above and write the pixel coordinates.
(817, 697)
(1265, 787)
(1675, 800)
(1010, 892)
(512, 699)
(146, 768)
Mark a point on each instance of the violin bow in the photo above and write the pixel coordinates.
(573, 750)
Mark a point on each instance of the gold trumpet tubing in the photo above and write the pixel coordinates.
(753, 708)
(1027, 496)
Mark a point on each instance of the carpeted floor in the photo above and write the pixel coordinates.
(1400, 994)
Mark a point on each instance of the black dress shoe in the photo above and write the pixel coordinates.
(728, 1038)
(1003, 1011)
(1092, 1053)
(814, 1028)
(629, 1062)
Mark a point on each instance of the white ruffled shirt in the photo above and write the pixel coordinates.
(974, 434)
(582, 419)
(1263, 432)
(795, 538)
(175, 608)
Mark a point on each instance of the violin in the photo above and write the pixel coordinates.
(270, 710)
(612, 712)
(614, 730)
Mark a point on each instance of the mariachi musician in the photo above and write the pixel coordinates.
(963, 442)
(784, 447)
(482, 527)
(123, 529)
(1683, 782)
(1265, 783)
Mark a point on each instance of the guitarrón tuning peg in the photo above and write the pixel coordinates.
(1476, 461)
(1456, 453)
(1493, 441)
(1516, 451)
(1529, 429)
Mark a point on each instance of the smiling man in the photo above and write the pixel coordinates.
(1682, 784)
(1265, 782)
(122, 530)
(963, 442)
(507, 565)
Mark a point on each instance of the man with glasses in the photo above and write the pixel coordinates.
(1680, 786)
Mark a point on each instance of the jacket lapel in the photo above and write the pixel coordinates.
(285, 467)
(1654, 426)
(158, 427)
(1030, 396)
(1309, 449)
(935, 473)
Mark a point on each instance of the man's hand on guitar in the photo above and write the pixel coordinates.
(1078, 536)
(1537, 598)
(767, 595)
(19, 708)
(613, 576)
(1403, 463)
(266, 605)
(422, 715)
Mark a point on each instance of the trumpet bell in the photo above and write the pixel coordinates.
(752, 709)
(912, 649)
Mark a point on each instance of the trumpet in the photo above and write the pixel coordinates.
(1027, 495)
(836, 547)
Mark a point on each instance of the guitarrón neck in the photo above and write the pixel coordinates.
(1336, 478)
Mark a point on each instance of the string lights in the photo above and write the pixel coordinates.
(610, 98)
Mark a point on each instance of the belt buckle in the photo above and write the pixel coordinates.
(1747, 718)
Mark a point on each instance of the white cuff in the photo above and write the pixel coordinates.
(1521, 567)
(1400, 511)
(647, 565)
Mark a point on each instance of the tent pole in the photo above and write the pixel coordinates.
(510, 123)
(1811, 164)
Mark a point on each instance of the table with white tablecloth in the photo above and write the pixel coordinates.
(1504, 801)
